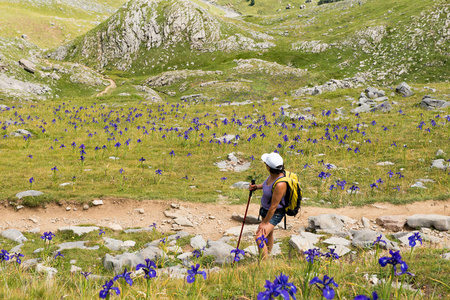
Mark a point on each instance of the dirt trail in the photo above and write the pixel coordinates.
(112, 85)
(210, 220)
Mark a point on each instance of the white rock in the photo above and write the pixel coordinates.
(97, 202)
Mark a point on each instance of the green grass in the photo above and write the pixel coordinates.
(92, 122)
(68, 21)
(245, 278)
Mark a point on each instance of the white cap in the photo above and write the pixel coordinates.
(273, 160)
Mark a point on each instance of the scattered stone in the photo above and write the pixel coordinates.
(446, 256)
(79, 230)
(221, 252)
(178, 235)
(301, 243)
(405, 239)
(19, 207)
(250, 219)
(182, 221)
(140, 211)
(385, 163)
(364, 238)
(198, 242)
(438, 222)
(76, 245)
(137, 230)
(114, 227)
(171, 214)
(35, 230)
(404, 89)
(75, 270)
(340, 250)
(440, 152)
(51, 272)
(225, 139)
(66, 184)
(430, 103)
(365, 222)
(117, 245)
(13, 235)
(16, 249)
(118, 262)
(419, 185)
(440, 164)
(248, 231)
(244, 185)
(27, 65)
(97, 202)
(325, 221)
(392, 222)
(337, 241)
(172, 272)
(85, 207)
(30, 263)
(29, 193)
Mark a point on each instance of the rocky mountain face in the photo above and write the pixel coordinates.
(143, 25)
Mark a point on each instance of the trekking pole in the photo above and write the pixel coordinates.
(245, 216)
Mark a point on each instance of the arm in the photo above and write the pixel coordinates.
(278, 193)
(254, 187)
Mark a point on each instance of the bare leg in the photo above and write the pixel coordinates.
(267, 247)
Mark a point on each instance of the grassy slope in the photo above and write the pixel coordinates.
(69, 22)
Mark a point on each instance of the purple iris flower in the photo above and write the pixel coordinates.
(196, 253)
(284, 288)
(59, 254)
(237, 252)
(363, 297)
(261, 241)
(4, 255)
(101, 231)
(85, 274)
(325, 286)
(270, 292)
(193, 272)
(108, 288)
(331, 254)
(311, 254)
(413, 238)
(379, 240)
(158, 172)
(17, 256)
(149, 269)
(126, 276)
(48, 236)
(394, 260)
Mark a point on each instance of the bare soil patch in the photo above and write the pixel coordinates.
(210, 220)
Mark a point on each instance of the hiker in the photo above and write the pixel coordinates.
(272, 210)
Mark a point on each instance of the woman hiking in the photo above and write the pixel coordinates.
(272, 204)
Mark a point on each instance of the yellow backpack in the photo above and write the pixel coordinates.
(293, 197)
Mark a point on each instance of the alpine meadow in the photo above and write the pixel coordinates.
(130, 133)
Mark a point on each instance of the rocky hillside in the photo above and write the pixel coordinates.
(140, 26)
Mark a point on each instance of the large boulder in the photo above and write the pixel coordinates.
(430, 103)
(392, 222)
(326, 221)
(364, 238)
(438, 222)
(116, 263)
(27, 65)
(29, 193)
(404, 89)
(221, 252)
(13, 235)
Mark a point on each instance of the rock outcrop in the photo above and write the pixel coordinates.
(140, 26)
